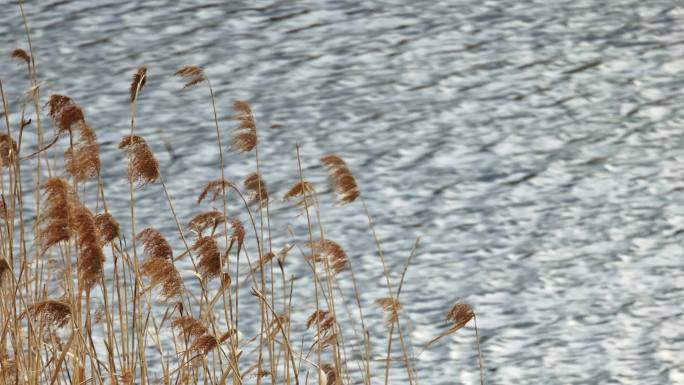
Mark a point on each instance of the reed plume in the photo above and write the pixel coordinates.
(90, 254)
(107, 227)
(161, 271)
(143, 167)
(51, 312)
(193, 74)
(245, 135)
(138, 82)
(5, 270)
(53, 223)
(331, 374)
(342, 181)
(204, 344)
(256, 185)
(209, 265)
(303, 189)
(83, 159)
(323, 318)
(65, 113)
(333, 252)
(460, 314)
(391, 306)
(238, 235)
(189, 326)
(215, 187)
(154, 244)
(21, 54)
(8, 368)
(8, 150)
(204, 220)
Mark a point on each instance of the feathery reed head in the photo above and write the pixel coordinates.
(52, 312)
(5, 270)
(323, 318)
(391, 306)
(107, 227)
(142, 166)
(83, 159)
(65, 113)
(20, 54)
(215, 187)
(303, 189)
(204, 220)
(245, 136)
(8, 366)
(238, 235)
(138, 82)
(331, 374)
(204, 344)
(257, 187)
(8, 150)
(90, 254)
(460, 314)
(209, 265)
(154, 244)
(161, 271)
(53, 223)
(194, 74)
(189, 326)
(334, 253)
(342, 181)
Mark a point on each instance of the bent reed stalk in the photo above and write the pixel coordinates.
(85, 300)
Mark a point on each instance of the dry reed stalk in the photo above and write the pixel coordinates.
(161, 271)
(342, 180)
(391, 306)
(143, 167)
(8, 150)
(209, 265)
(331, 251)
(21, 54)
(107, 227)
(154, 244)
(215, 187)
(193, 74)
(259, 194)
(51, 312)
(138, 82)
(205, 220)
(245, 135)
(83, 159)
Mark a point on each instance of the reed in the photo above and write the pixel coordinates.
(87, 300)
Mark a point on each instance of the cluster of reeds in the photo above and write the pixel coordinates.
(85, 300)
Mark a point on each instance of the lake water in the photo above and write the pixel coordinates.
(535, 146)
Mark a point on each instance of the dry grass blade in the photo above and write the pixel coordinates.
(107, 227)
(189, 326)
(256, 185)
(143, 166)
(215, 187)
(20, 54)
(245, 136)
(53, 223)
(209, 265)
(154, 244)
(52, 312)
(207, 219)
(83, 159)
(391, 306)
(8, 150)
(161, 271)
(333, 252)
(90, 254)
(342, 181)
(138, 82)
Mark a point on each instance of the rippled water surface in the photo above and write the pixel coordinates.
(535, 146)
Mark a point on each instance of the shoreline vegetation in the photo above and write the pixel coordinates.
(145, 327)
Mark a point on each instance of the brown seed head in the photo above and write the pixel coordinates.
(323, 318)
(304, 190)
(143, 167)
(83, 159)
(107, 227)
(189, 326)
(65, 113)
(20, 54)
(460, 315)
(154, 244)
(245, 135)
(8, 150)
(334, 253)
(209, 265)
(342, 181)
(238, 235)
(5, 270)
(52, 312)
(215, 187)
(207, 219)
(204, 344)
(53, 223)
(90, 255)
(331, 374)
(254, 183)
(138, 82)
(161, 271)
(391, 306)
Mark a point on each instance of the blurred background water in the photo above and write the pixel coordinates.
(535, 146)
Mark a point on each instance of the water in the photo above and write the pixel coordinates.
(535, 146)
